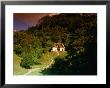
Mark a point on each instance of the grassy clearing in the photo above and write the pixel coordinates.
(17, 69)
(46, 61)
(63, 54)
(47, 57)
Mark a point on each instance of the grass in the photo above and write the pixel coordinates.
(47, 57)
(45, 61)
(17, 69)
(62, 54)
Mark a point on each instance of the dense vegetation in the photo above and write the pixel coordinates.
(18, 70)
(77, 32)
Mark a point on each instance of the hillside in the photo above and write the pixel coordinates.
(18, 70)
(46, 62)
(78, 34)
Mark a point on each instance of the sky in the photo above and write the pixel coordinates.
(24, 20)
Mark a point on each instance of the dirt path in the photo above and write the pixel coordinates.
(31, 70)
(57, 53)
(41, 68)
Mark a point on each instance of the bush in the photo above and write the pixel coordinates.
(18, 49)
(27, 62)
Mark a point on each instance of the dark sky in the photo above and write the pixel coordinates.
(24, 20)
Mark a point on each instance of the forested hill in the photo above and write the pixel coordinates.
(78, 33)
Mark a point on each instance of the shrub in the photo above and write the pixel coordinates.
(18, 49)
(27, 62)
